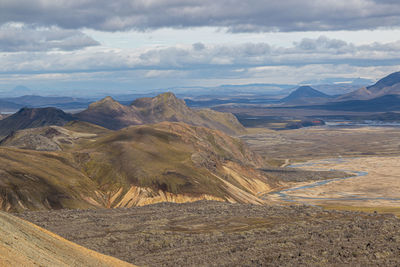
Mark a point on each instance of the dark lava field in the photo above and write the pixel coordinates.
(222, 234)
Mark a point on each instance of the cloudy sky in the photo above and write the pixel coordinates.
(141, 45)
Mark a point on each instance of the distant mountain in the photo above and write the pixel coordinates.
(337, 89)
(339, 80)
(33, 117)
(7, 106)
(164, 107)
(388, 81)
(389, 85)
(10, 104)
(40, 101)
(305, 94)
(110, 114)
(380, 104)
(231, 90)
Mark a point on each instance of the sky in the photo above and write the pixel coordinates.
(128, 46)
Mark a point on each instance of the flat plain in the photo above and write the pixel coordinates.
(371, 154)
(325, 142)
(377, 186)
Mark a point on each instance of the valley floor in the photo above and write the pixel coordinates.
(370, 153)
(376, 184)
(325, 142)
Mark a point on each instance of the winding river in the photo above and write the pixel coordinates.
(285, 196)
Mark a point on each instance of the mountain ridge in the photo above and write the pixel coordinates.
(388, 85)
(164, 107)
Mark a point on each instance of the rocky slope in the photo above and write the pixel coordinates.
(85, 166)
(165, 107)
(25, 244)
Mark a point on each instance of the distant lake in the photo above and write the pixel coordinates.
(362, 123)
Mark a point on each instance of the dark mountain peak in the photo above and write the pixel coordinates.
(387, 81)
(32, 118)
(34, 112)
(304, 92)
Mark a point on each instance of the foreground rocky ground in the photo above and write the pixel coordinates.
(24, 244)
(214, 233)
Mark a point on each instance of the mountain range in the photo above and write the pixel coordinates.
(382, 96)
(251, 94)
(111, 155)
(164, 107)
(82, 165)
(112, 115)
(152, 150)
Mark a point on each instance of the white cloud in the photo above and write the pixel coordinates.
(224, 58)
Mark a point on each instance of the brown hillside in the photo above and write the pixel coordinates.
(134, 166)
(25, 244)
(153, 163)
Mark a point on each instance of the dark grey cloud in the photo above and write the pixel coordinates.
(325, 44)
(235, 15)
(16, 38)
